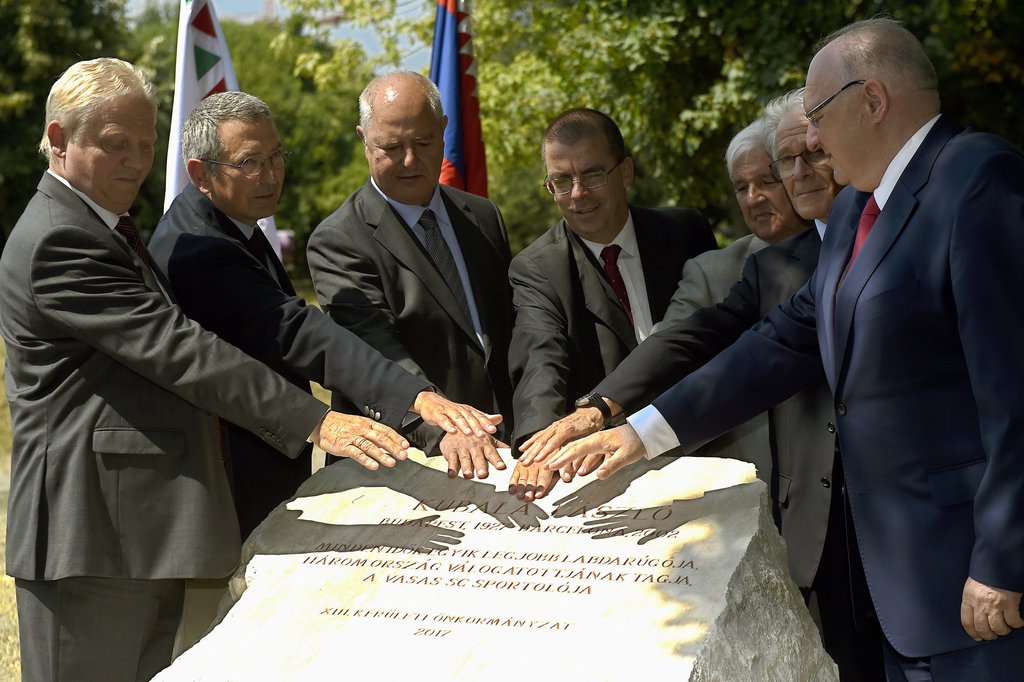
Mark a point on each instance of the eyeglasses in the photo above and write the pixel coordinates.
(784, 167)
(589, 180)
(815, 120)
(253, 167)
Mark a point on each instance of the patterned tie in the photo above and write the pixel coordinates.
(867, 221)
(439, 252)
(610, 256)
(126, 226)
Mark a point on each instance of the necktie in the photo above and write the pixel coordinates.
(439, 252)
(867, 221)
(610, 256)
(258, 246)
(126, 226)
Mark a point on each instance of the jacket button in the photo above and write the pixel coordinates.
(376, 415)
(825, 483)
(831, 427)
(841, 409)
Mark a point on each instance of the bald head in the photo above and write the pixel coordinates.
(870, 88)
(402, 126)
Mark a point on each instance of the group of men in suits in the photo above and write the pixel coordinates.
(911, 318)
(890, 357)
(127, 414)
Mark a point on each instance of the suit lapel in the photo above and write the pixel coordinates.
(890, 223)
(220, 225)
(485, 274)
(654, 252)
(598, 295)
(391, 233)
(56, 189)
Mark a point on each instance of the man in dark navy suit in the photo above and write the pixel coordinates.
(913, 315)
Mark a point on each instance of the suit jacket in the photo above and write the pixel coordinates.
(797, 437)
(570, 329)
(708, 278)
(116, 470)
(372, 276)
(920, 345)
(223, 287)
(706, 281)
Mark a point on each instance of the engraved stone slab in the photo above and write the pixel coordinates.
(673, 568)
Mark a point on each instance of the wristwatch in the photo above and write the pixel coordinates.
(593, 399)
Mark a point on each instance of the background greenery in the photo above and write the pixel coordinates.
(679, 76)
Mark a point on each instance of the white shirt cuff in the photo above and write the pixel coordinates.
(655, 433)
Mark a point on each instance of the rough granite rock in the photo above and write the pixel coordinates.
(672, 569)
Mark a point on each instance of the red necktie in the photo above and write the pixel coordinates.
(126, 226)
(867, 220)
(610, 256)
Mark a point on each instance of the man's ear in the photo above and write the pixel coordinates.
(877, 98)
(199, 174)
(627, 172)
(57, 137)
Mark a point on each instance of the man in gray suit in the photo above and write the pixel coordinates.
(118, 486)
(418, 269)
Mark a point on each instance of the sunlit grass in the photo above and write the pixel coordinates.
(10, 663)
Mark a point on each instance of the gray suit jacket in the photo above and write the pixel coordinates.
(706, 281)
(116, 468)
(372, 276)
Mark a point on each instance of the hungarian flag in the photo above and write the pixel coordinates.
(453, 68)
(203, 67)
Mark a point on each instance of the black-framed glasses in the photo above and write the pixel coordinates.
(814, 115)
(590, 180)
(252, 166)
(784, 167)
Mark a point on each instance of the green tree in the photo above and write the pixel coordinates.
(40, 40)
(681, 77)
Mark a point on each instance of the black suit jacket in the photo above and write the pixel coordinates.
(800, 429)
(372, 276)
(221, 285)
(570, 329)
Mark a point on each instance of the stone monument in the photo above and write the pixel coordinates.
(672, 570)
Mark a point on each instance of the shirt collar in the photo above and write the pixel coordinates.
(626, 238)
(899, 164)
(411, 213)
(820, 226)
(109, 218)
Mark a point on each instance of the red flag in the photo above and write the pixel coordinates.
(453, 69)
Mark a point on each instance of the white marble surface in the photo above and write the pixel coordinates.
(671, 570)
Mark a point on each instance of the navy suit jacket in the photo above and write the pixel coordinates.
(802, 444)
(920, 346)
(221, 285)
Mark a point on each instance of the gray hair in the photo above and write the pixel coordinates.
(881, 47)
(773, 113)
(81, 90)
(746, 140)
(199, 137)
(369, 94)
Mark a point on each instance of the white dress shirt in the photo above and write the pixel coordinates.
(632, 270)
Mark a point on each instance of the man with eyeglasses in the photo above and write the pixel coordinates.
(418, 269)
(591, 288)
(913, 314)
